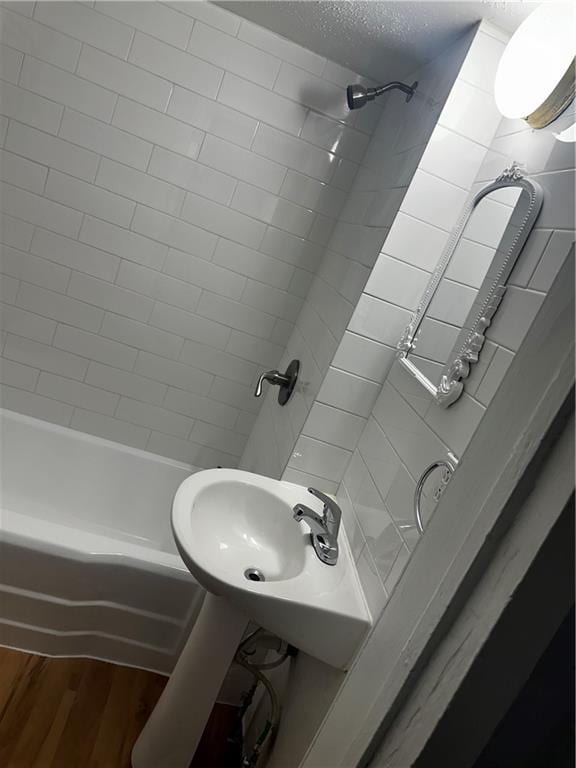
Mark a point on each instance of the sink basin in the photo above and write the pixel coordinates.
(236, 533)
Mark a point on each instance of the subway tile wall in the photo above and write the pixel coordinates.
(406, 431)
(171, 175)
(310, 440)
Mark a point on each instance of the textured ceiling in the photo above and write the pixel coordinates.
(381, 39)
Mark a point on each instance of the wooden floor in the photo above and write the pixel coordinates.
(80, 713)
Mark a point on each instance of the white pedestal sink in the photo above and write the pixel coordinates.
(230, 527)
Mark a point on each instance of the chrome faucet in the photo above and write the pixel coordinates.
(323, 528)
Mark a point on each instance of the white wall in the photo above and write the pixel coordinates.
(170, 177)
(311, 439)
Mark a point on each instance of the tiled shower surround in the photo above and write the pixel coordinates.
(171, 175)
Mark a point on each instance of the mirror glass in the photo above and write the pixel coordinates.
(468, 283)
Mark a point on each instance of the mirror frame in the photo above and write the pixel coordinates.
(472, 335)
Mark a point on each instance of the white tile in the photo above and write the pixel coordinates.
(280, 46)
(25, 7)
(121, 242)
(217, 362)
(222, 221)
(189, 326)
(481, 61)
(25, 266)
(559, 205)
(58, 307)
(210, 116)
(319, 458)
(470, 263)
(136, 185)
(282, 332)
(434, 341)
(14, 374)
(254, 349)
(471, 113)
(176, 66)
(107, 296)
(397, 282)
(262, 104)
(234, 394)
(35, 405)
(559, 248)
(105, 139)
(67, 89)
(51, 151)
(94, 347)
(140, 336)
(210, 14)
(154, 417)
(242, 164)
(364, 357)
(456, 425)
(158, 286)
(125, 383)
(204, 274)
(235, 315)
(379, 320)
(16, 233)
(415, 242)
(10, 63)
(334, 426)
(372, 586)
(433, 201)
(307, 480)
(415, 443)
(294, 250)
(9, 288)
(30, 108)
(272, 209)
(88, 199)
(153, 18)
(37, 210)
(29, 36)
(157, 128)
(300, 283)
(251, 263)
(26, 324)
(315, 92)
(191, 175)
(334, 136)
(108, 427)
(343, 173)
(245, 423)
(218, 438)
(381, 461)
(73, 254)
(21, 172)
(515, 315)
(348, 392)
(174, 232)
(124, 78)
(452, 157)
(84, 24)
(234, 55)
(494, 375)
(45, 357)
(76, 393)
(312, 194)
(397, 569)
(293, 152)
(191, 453)
(278, 303)
(202, 407)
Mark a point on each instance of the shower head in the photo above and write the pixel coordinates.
(358, 95)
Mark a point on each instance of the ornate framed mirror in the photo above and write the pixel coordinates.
(446, 333)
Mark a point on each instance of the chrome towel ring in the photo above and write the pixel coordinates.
(449, 466)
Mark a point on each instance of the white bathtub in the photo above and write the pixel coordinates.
(88, 566)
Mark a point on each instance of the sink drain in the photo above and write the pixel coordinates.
(254, 574)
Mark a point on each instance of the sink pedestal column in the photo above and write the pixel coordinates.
(172, 733)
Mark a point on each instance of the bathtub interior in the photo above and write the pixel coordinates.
(66, 477)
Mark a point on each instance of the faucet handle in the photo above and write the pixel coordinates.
(330, 506)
